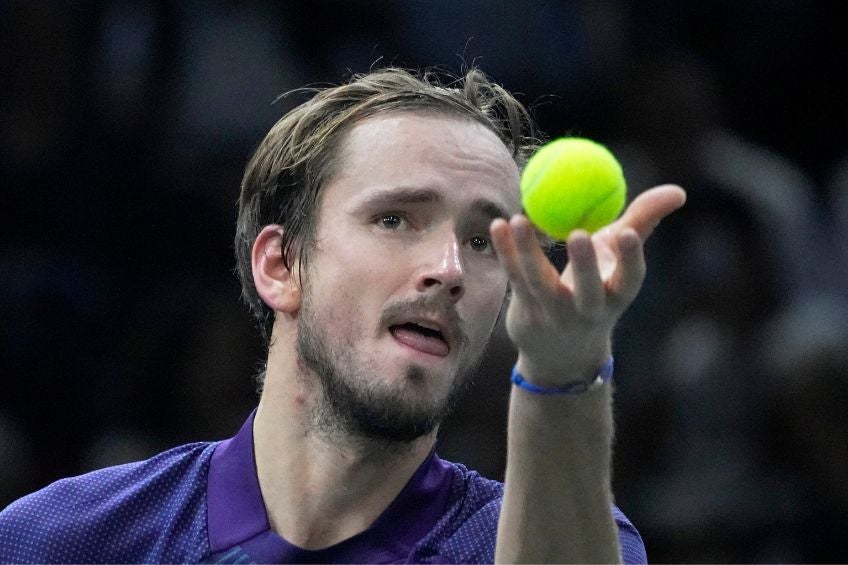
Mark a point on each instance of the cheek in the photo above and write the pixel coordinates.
(353, 283)
(488, 307)
(356, 254)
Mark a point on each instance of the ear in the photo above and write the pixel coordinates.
(274, 283)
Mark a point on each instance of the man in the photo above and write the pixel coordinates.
(379, 238)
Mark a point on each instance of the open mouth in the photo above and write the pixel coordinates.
(424, 339)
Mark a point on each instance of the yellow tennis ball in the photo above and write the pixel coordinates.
(572, 183)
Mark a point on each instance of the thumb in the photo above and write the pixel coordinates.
(649, 208)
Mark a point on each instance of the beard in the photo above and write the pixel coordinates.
(356, 402)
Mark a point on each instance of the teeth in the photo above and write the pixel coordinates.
(433, 327)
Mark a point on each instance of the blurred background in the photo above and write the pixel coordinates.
(124, 130)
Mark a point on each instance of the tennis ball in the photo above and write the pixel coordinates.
(572, 183)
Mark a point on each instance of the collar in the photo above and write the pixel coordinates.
(237, 518)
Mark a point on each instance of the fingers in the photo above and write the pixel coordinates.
(508, 255)
(649, 208)
(589, 292)
(529, 270)
(532, 275)
(627, 279)
(540, 274)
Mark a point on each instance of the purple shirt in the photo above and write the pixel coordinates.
(202, 503)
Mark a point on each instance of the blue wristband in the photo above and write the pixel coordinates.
(603, 376)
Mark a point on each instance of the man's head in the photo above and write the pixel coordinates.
(388, 185)
(284, 177)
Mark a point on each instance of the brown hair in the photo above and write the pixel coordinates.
(283, 179)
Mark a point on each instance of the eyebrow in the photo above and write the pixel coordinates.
(489, 209)
(416, 195)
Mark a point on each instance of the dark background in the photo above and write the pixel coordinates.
(124, 130)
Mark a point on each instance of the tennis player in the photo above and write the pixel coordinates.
(379, 239)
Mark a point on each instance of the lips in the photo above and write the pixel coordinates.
(423, 336)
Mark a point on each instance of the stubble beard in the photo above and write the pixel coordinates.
(355, 402)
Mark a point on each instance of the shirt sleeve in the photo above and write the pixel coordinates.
(632, 547)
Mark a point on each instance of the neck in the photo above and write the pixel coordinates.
(321, 488)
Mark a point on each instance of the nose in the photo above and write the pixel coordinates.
(446, 273)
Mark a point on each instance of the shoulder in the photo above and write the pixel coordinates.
(140, 511)
(467, 532)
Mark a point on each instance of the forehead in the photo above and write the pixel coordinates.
(456, 157)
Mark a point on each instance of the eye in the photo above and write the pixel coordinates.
(480, 244)
(390, 221)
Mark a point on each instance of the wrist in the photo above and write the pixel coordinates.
(599, 378)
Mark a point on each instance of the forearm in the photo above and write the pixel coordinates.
(557, 504)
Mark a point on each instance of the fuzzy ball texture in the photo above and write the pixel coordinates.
(572, 183)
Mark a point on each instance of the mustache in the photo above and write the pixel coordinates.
(425, 306)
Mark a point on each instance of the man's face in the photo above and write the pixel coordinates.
(403, 288)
